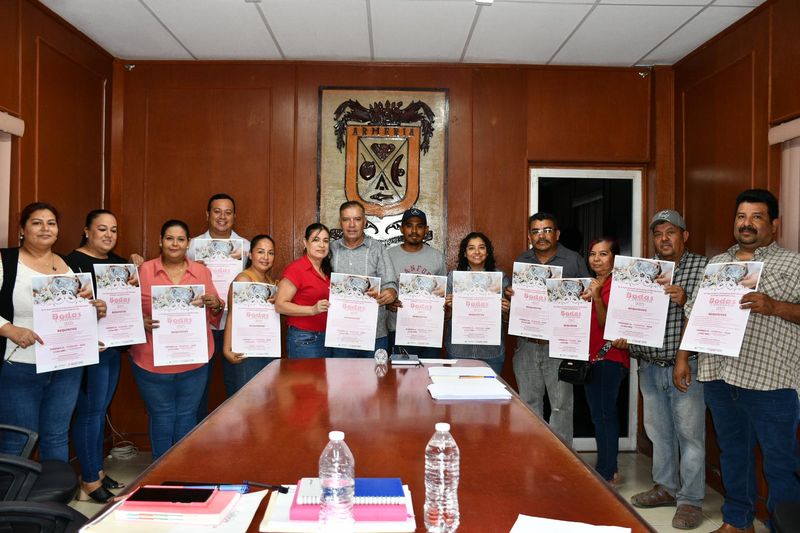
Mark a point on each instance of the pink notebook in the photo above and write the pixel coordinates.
(361, 512)
(213, 511)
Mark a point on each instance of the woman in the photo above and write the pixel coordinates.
(239, 369)
(610, 363)
(172, 393)
(39, 402)
(476, 254)
(100, 380)
(303, 295)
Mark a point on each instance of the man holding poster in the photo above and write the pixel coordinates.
(674, 421)
(535, 371)
(753, 397)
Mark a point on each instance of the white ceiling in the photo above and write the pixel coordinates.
(552, 32)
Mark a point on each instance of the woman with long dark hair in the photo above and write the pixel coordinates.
(303, 295)
(476, 253)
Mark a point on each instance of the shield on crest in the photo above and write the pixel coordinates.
(382, 167)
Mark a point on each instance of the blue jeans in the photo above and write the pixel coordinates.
(202, 407)
(171, 401)
(602, 392)
(40, 402)
(94, 397)
(742, 417)
(303, 344)
(380, 342)
(676, 424)
(537, 372)
(421, 351)
(236, 376)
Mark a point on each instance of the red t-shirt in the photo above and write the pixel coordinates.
(596, 340)
(311, 288)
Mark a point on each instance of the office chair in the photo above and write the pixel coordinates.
(33, 517)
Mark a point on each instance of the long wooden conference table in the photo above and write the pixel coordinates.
(275, 428)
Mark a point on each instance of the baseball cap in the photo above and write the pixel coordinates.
(414, 212)
(667, 215)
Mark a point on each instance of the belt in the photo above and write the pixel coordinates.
(663, 363)
(535, 341)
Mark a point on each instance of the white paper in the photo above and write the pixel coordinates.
(570, 318)
(223, 257)
(717, 323)
(420, 322)
(534, 524)
(468, 389)
(118, 287)
(352, 315)
(256, 324)
(529, 312)
(181, 336)
(477, 308)
(638, 306)
(65, 319)
(460, 372)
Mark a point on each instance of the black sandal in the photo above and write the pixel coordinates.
(110, 483)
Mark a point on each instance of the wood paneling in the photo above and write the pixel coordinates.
(785, 54)
(590, 115)
(9, 56)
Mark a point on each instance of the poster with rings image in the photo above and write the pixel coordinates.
(420, 321)
(180, 338)
(477, 307)
(528, 316)
(638, 305)
(66, 320)
(118, 287)
(256, 325)
(570, 317)
(353, 314)
(717, 322)
(225, 258)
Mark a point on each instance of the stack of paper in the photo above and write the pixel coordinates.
(534, 524)
(440, 373)
(469, 389)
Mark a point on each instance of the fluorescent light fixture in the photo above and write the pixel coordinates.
(484, 2)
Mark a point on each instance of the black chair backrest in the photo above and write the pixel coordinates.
(30, 517)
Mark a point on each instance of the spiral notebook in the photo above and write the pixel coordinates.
(376, 499)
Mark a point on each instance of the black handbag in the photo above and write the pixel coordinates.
(580, 372)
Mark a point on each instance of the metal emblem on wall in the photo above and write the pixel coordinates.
(387, 155)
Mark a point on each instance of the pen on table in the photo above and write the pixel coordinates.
(279, 488)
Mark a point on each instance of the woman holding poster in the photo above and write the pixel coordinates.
(172, 392)
(610, 363)
(303, 295)
(476, 254)
(40, 402)
(240, 369)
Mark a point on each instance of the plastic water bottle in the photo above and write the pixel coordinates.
(337, 477)
(442, 460)
(381, 357)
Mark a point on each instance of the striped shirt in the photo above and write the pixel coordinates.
(688, 273)
(770, 354)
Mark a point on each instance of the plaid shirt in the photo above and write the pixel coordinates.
(688, 273)
(770, 354)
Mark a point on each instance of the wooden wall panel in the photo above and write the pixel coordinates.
(588, 115)
(9, 56)
(785, 54)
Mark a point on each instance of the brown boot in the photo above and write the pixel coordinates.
(727, 528)
(655, 497)
(687, 517)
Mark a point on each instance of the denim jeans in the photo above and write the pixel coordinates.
(536, 373)
(202, 407)
(96, 390)
(742, 417)
(171, 401)
(40, 402)
(422, 351)
(602, 392)
(236, 376)
(676, 424)
(303, 344)
(380, 342)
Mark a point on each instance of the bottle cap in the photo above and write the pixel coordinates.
(442, 426)
(338, 435)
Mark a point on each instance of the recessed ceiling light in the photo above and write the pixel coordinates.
(484, 2)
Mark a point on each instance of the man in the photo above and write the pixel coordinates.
(534, 370)
(220, 217)
(674, 421)
(358, 254)
(413, 256)
(753, 397)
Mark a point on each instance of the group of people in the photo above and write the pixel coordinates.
(751, 398)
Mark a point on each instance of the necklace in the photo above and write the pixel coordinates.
(43, 263)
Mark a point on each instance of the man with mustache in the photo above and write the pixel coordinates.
(753, 397)
(534, 370)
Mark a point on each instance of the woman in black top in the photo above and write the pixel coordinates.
(100, 380)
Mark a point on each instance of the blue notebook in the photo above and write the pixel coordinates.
(369, 491)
